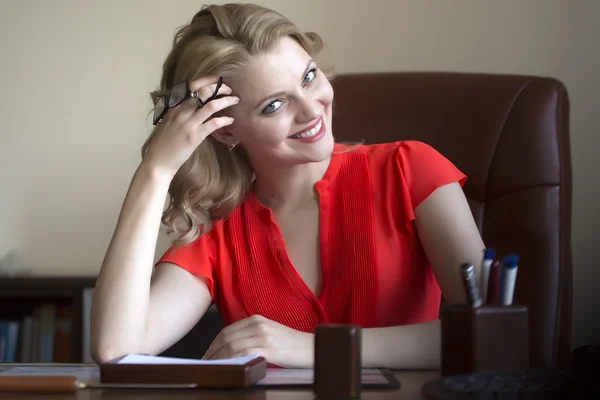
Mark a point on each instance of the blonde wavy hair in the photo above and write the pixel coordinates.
(219, 40)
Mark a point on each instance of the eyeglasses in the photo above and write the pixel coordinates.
(178, 94)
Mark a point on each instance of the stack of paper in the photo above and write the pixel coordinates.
(145, 359)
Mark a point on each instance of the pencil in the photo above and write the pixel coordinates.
(58, 384)
(39, 384)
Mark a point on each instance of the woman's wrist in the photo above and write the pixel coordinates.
(309, 361)
(415, 346)
(153, 175)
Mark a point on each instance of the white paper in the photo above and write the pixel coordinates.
(145, 359)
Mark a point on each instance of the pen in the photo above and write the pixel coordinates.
(69, 384)
(468, 276)
(493, 290)
(488, 257)
(39, 384)
(509, 277)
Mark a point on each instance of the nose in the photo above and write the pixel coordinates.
(309, 108)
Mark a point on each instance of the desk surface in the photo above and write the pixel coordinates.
(411, 383)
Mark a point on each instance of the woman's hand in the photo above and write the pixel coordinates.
(277, 343)
(184, 127)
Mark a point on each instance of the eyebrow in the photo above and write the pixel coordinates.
(310, 63)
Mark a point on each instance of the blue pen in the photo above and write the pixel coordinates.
(508, 279)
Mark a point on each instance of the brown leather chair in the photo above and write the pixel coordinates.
(510, 136)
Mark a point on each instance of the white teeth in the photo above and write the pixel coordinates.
(310, 133)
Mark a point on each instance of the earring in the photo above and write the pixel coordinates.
(231, 146)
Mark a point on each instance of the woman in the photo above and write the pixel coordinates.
(276, 223)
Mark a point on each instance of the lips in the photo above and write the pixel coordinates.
(310, 131)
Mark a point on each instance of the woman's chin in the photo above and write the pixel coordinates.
(315, 151)
(326, 146)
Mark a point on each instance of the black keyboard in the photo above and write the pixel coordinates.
(521, 384)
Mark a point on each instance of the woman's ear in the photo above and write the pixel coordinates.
(224, 136)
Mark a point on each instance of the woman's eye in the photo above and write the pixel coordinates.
(310, 76)
(272, 106)
(276, 104)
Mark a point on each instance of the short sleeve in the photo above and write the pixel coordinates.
(196, 258)
(422, 169)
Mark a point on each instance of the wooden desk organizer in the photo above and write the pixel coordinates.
(484, 338)
(338, 364)
(206, 376)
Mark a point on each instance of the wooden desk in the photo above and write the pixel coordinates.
(411, 383)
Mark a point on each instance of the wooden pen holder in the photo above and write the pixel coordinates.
(338, 364)
(484, 338)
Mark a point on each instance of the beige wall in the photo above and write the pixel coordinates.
(75, 77)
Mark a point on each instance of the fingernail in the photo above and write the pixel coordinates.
(235, 99)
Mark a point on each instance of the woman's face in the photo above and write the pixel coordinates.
(284, 113)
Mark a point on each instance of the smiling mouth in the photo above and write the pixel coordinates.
(309, 132)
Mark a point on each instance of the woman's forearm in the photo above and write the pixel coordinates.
(121, 297)
(416, 346)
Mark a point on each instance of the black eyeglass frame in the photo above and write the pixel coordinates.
(164, 102)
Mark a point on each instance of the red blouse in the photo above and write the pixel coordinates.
(374, 270)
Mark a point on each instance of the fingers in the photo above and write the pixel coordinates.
(251, 327)
(189, 108)
(213, 107)
(226, 339)
(244, 323)
(182, 112)
(250, 351)
(191, 118)
(206, 87)
(238, 348)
